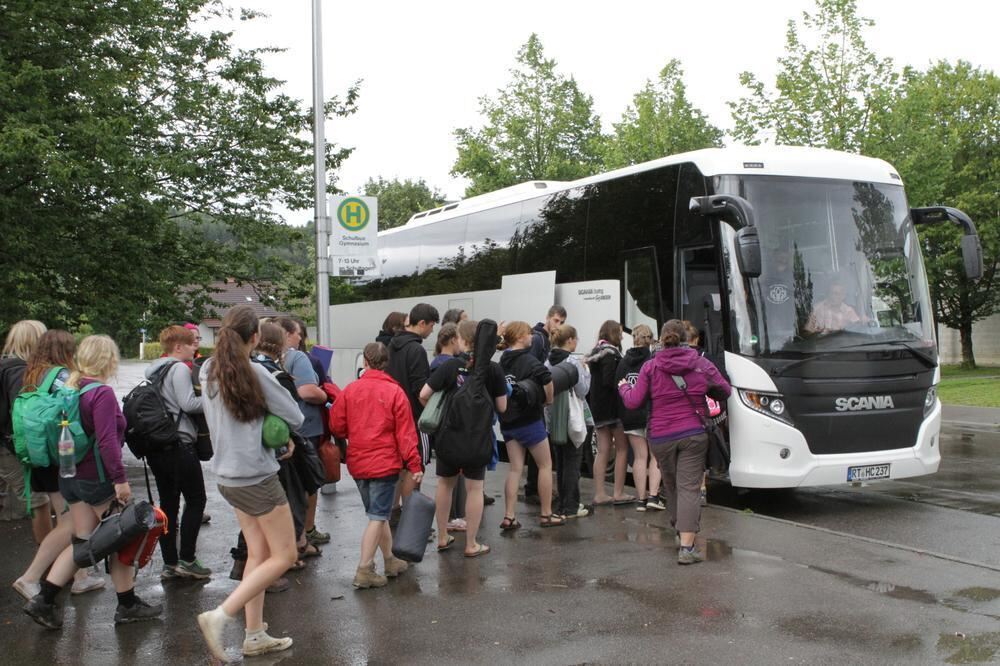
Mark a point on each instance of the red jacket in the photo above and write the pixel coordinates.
(373, 414)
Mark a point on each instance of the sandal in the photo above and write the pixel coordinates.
(298, 566)
(447, 544)
(309, 550)
(481, 550)
(551, 520)
(628, 499)
(509, 524)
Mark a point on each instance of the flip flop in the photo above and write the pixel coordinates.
(628, 499)
(445, 547)
(482, 550)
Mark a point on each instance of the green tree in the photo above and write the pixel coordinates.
(540, 126)
(828, 88)
(660, 121)
(399, 200)
(125, 127)
(943, 134)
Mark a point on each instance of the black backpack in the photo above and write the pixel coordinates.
(150, 426)
(465, 438)
(11, 376)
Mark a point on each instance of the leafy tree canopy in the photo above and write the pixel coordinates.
(399, 200)
(539, 127)
(660, 121)
(829, 85)
(125, 127)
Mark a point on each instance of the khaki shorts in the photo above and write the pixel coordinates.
(12, 484)
(258, 499)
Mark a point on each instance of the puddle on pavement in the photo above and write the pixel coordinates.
(979, 593)
(969, 648)
(884, 588)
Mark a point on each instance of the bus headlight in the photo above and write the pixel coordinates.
(771, 404)
(930, 400)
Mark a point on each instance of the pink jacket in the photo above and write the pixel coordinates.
(671, 416)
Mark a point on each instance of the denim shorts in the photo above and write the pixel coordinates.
(94, 493)
(527, 436)
(376, 495)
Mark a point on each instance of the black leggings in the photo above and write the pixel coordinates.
(178, 473)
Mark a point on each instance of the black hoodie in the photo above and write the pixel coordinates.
(628, 369)
(603, 397)
(408, 365)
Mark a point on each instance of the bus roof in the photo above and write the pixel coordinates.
(752, 160)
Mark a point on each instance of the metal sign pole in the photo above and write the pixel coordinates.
(324, 331)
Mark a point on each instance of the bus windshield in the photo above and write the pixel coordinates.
(841, 269)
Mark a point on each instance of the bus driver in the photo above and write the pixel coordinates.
(832, 313)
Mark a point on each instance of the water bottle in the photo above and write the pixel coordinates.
(67, 453)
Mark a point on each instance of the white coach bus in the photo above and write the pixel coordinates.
(801, 267)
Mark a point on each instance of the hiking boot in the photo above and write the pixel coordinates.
(314, 536)
(655, 504)
(192, 569)
(236, 573)
(88, 583)
(27, 589)
(137, 612)
(260, 643)
(279, 585)
(689, 556)
(395, 566)
(367, 577)
(44, 614)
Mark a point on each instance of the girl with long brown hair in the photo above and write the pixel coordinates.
(603, 361)
(55, 349)
(237, 394)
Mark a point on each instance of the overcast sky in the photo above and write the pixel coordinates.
(425, 64)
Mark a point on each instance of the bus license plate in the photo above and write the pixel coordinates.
(868, 472)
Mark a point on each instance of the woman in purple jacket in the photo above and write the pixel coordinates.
(676, 431)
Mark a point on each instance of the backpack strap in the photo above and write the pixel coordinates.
(50, 378)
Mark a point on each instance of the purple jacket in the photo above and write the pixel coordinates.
(671, 416)
(102, 417)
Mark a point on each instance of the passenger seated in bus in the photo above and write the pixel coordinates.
(832, 313)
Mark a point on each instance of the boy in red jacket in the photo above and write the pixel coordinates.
(373, 414)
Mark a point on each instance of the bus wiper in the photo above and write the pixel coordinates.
(928, 360)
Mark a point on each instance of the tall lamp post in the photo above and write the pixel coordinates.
(324, 332)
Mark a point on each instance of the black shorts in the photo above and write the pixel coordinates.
(446, 471)
(45, 479)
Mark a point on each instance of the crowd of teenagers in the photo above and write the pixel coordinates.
(654, 400)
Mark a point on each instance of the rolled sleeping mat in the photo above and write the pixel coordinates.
(565, 375)
(410, 540)
(114, 532)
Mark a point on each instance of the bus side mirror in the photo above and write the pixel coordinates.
(748, 252)
(972, 257)
(972, 249)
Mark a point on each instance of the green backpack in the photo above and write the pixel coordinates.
(37, 418)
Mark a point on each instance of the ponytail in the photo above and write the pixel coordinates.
(230, 368)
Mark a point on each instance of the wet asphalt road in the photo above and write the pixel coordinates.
(903, 572)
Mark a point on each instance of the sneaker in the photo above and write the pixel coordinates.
(192, 569)
(88, 583)
(367, 577)
(689, 556)
(314, 536)
(279, 585)
(212, 624)
(395, 566)
(655, 504)
(640, 504)
(206, 517)
(137, 612)
(169, 572)
(704, 497)
(44, 614)
(582, 512)
(457, 525)
(260, 643)
(27, 589)
(488, 500)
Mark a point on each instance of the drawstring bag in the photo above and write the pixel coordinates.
(577, 423)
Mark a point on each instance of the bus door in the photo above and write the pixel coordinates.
(641, 300)
(699, 295)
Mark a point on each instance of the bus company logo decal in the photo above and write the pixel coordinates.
(859, 403)
(777, 293)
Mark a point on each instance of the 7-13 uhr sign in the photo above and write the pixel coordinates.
(354, 236)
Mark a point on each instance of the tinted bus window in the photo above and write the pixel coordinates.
(691, 228)
(552, 235)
